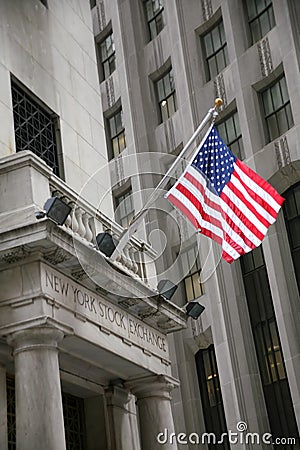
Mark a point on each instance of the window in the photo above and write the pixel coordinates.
(268, 347)
(117, 134)
(277, 109)
(11, 412)
(215, 47)
(36, 128)
(191, 268)
(154, 14)
(166, 96)
(45, 3)
(230, 132)
(260, 17)
(92, 3)
(211, 396)
(107, 56)
(73, 409)
(124, 210)
(291, 209)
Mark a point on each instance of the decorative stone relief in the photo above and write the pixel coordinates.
(110, 92)
(265, 57)
(57, 256)
(207, 10)
(101, 15)
(282, 152)
(119, 168)
(15, 255)
(219, 87)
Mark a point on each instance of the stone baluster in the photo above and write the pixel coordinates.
(88, 235)
(81, 227)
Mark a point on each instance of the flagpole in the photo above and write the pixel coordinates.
(128, 233)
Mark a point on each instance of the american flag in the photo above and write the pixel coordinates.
(224, 199)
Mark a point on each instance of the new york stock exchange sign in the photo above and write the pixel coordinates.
(107, 316)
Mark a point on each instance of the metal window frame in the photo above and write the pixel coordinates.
(258, 17)
(275, 111)
(153, 19)
(118, 198)
(215, 53)
(29, 98)
(108, 59)
(117, 135)
(238, 138)
(172, 95)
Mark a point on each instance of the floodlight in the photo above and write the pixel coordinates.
(166, 288)
(56, 209)
(194, 309)
(106, 243)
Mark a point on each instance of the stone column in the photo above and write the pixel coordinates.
(123, 430)
(3, 409)
(39, 415)
(155, 413)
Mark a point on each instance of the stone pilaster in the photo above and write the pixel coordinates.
(39, 414)
(123, 427)
(155, 413)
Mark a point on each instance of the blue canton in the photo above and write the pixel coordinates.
(215, 161)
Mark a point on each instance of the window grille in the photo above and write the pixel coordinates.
(191, 268)
(230, 132)
(277, 109)
(268, 346)
(124, 208)
(291, 209)
(166, 96)
(35, 128)
(216, 53)
(11, 412)
(117, 134)
(260, 17)
(154, 13)
(107, 55)
(73, 409)
(211, 396)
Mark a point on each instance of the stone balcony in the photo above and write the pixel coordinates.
(129, 283)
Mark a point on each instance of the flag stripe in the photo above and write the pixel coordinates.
(256, 194)
(267, 192)
(226, 200)
(187, 207)
(236, 211)
(246, 204)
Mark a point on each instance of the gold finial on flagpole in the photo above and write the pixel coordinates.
(218, 102)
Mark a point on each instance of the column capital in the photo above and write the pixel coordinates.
(152, 386)
(37, 336)
(116, 396)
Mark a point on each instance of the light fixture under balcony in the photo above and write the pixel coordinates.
(166, 288)
(194, 309)
(56, 209)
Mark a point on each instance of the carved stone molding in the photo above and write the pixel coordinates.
(110, 92)
(265, 57)
(15, 255)
(282, 152)
(101, 15)
(57, 256)
(207, 10)
(219, 87)
(129, 302)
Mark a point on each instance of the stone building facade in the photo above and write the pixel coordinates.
(161, 65)
(101, 96)
(84, 356)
